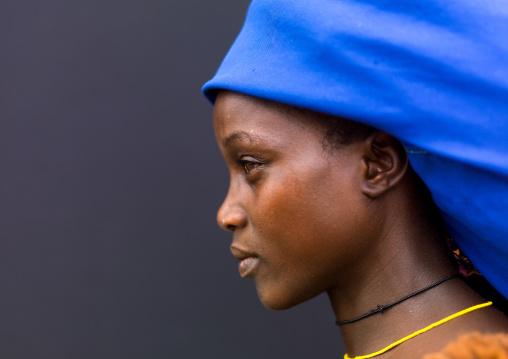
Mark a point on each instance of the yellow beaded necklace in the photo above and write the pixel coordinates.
(442, 321)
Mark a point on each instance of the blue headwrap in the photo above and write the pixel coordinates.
(432, 73)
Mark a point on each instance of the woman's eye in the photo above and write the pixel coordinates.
(249, 166)
(249, 163)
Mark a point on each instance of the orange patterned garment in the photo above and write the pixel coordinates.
(475, 346)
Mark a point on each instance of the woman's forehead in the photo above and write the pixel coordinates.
(239, 118)
(235, 109)
(245, 110)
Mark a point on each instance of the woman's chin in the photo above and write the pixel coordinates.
(280, 300)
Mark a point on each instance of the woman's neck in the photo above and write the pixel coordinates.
(379, 330)
(410, 255)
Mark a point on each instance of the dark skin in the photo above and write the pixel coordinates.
(349, 221)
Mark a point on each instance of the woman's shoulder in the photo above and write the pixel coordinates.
(475, 345)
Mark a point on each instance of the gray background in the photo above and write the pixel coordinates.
(110, 181)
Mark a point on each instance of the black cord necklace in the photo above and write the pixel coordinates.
(381, 308)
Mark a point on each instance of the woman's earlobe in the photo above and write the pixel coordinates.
(385, 163)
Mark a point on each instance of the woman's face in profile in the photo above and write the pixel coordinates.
(298, 216)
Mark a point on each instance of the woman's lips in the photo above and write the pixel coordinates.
(247, 266)
(249, 261)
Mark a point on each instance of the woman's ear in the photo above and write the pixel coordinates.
(385, 163)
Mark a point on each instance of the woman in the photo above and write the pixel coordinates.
(319, 204)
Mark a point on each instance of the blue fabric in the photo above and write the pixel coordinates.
(432, 73)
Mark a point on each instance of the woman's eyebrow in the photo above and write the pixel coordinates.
(236, 136)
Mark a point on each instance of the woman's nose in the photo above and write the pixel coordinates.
(231, 215)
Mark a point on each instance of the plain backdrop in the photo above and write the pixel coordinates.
(110, 180)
